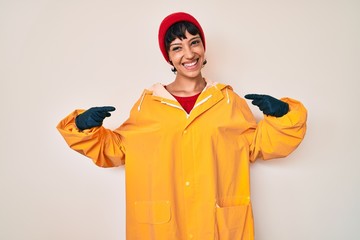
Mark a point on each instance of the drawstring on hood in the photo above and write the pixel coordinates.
(227, 95)
(141, 100)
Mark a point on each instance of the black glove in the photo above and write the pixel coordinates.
(93, 117)
(269, 105)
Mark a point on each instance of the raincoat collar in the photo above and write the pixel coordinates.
(158, 89)
(211, 94)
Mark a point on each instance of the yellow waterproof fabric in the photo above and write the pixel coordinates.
(187, 175)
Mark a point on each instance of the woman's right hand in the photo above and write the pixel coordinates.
(93, 117)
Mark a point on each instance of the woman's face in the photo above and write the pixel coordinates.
(187, 55)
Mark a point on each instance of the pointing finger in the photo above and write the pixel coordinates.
(108, 109)
(252, 96)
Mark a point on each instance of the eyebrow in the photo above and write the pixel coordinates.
(189, 41)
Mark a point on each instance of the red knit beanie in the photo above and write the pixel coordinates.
(169, 21)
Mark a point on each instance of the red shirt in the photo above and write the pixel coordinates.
(187, 102)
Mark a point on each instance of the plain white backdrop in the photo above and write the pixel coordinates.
(56, 56)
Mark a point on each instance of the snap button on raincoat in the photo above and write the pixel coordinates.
(187, 175)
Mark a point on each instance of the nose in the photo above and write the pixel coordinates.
(188, 52)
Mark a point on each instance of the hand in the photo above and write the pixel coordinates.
(93, 117)
(269, 105)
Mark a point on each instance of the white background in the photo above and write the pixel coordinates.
(56, 56)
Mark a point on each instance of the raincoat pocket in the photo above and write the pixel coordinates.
(152, 212)
(230, 222)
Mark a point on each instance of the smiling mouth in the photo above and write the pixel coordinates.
(191, 65)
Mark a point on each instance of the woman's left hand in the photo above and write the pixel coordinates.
(269, 105)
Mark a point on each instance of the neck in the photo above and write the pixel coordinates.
(184, 87)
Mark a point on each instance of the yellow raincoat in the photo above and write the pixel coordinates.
(187, 175)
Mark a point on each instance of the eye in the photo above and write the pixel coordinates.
(195, 42)
(176, 49)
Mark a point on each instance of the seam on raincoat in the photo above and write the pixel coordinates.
(175, 106)
(202, 101)
(172, 105)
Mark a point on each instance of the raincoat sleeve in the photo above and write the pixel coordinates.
(278, 137)
(102, 145)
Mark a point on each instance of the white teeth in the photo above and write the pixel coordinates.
(190, 64)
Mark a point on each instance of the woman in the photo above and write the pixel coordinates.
(187, 146)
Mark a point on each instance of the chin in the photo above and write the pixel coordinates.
(191, 74)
